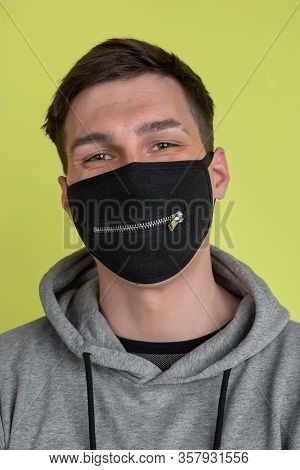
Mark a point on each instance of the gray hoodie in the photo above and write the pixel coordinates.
(67, 382)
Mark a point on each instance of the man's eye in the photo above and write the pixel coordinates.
(97, 157)
(165, 145)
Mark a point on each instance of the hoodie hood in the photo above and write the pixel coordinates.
(69, 293)
(67, 381)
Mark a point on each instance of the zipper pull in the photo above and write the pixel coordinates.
(177, 218)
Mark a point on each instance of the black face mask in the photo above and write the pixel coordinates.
(145, 221)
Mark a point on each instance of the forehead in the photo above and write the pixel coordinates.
(106, 103)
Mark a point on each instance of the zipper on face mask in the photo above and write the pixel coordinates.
(172, 220)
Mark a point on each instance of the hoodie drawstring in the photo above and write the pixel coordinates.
(91, 408)
(220, 418)
(90, 395)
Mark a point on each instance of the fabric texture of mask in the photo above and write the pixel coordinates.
(145, 221)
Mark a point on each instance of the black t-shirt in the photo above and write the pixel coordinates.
(164, 355)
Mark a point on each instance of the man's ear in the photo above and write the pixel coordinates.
(219, 173)
(64, 197)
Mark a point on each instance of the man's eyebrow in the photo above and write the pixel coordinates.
(91, 138)
(144, 129)
(154, 126)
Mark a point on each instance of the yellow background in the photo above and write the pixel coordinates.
(247, 54)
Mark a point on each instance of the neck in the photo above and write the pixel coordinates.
(188, 305)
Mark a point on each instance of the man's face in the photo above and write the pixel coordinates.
(142, 119)
(118, 108)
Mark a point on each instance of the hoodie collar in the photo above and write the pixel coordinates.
(69, 293)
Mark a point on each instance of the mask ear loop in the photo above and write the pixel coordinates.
(207, 161)
(208, 158)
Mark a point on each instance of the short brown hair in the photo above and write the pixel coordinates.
(124, 58)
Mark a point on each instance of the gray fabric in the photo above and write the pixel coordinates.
(43, 399)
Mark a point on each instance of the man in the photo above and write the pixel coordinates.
(153, 338)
